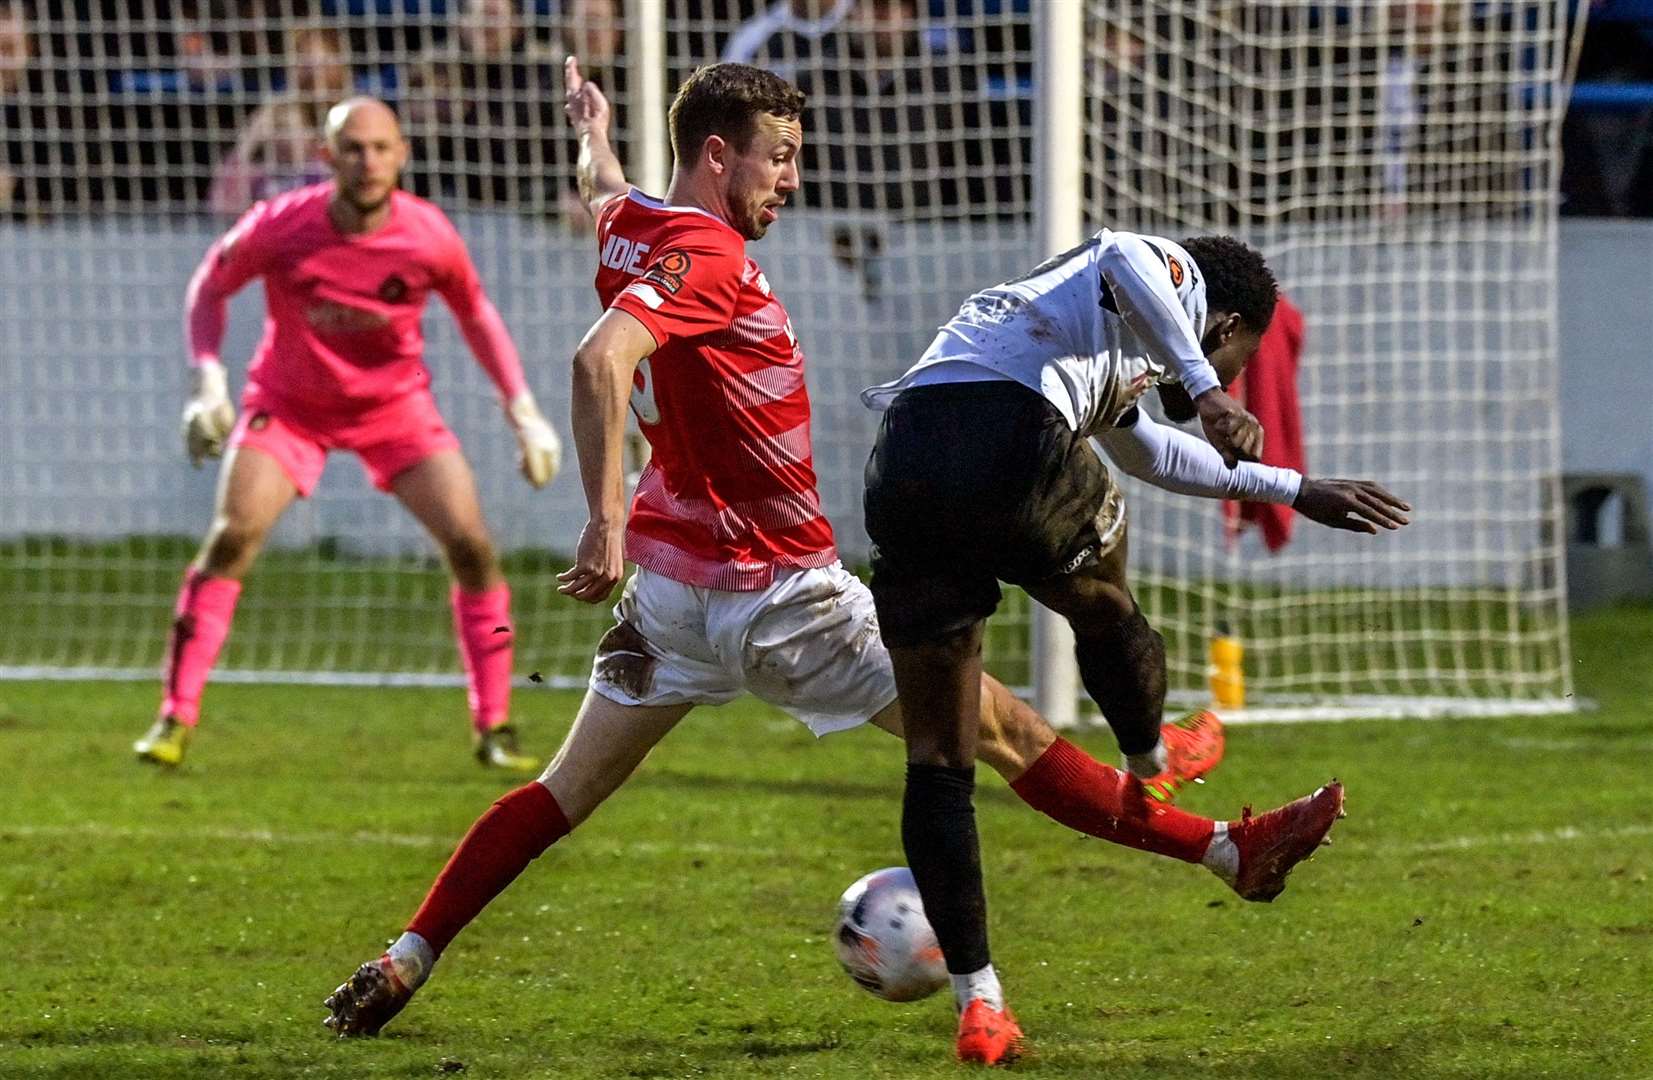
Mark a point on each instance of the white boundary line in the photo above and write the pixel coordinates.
(1566, 834)
(48, 673)
(270, 837)
(1373, 708)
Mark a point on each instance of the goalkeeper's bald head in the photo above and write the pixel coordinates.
(362, 113)
(364, 145)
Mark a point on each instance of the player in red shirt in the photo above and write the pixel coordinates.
(347, 267)
(738, 585)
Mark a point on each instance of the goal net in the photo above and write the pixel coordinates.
(1396, 169)
(1396, 162)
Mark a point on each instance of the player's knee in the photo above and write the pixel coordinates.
(1106, 609)
(1108, 651)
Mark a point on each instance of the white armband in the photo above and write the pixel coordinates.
(1172, 459)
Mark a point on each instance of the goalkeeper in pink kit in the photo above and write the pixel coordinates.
(347, 266)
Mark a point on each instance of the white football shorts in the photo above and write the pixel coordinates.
(807, 644)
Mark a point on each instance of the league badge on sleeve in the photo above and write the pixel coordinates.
(668, 271)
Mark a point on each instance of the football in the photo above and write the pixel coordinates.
(883, 939)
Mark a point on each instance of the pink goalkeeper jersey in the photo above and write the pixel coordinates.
(342, 330)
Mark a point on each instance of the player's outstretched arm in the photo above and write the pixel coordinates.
(1170, 458)
(598, 170)
(604, 366)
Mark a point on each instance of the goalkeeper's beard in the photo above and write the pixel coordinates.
(364, 208)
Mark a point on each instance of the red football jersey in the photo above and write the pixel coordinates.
(729, 494)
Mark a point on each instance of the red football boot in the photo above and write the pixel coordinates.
(1272, 844)
(1193, 747)
(987, 1035)
(368, 1000)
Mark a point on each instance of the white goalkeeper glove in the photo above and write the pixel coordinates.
(541, 449)
(209, 416)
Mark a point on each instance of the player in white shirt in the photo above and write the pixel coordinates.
(984, 472)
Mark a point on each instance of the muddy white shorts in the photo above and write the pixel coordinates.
(807, 644)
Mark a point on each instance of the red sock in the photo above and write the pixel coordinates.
(514, 832)
(483, 623)
(200, 623)
(1075, 789)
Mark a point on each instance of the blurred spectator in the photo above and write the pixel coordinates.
(280, 145)
(44, 167)
(595, 32)
(482, 113)
(16, 52)
(1415, 70)
(912, 134)
(788, 35)
(205, 59)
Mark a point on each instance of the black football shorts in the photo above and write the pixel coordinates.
(971, 484)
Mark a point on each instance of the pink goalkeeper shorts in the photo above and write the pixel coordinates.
(389, 441)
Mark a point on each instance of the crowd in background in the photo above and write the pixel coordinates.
(918, 109)
(217, 103)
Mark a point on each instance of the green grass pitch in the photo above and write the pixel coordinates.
(1485, 912)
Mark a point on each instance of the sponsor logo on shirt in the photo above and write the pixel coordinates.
(667, 272)
(331, 317)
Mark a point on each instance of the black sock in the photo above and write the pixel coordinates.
(938, 830)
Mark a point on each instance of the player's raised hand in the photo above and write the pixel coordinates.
(585, 105)
(541, 449)
(1234, 432)
(1356, 505)
(599, 564)
(208, 416)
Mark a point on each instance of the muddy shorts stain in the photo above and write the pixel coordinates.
(624, 662)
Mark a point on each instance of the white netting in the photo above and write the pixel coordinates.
(1394, 160)
(134, 136)
(1397, 163)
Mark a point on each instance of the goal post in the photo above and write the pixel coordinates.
(1059, 223)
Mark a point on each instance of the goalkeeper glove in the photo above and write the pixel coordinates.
(209, 416)
(541, 455)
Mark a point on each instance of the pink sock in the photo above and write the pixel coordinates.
(483, 623)
(201, 622)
